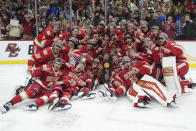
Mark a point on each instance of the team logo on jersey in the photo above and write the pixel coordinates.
(13, 49)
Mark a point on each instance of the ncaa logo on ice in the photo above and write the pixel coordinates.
(13, 49)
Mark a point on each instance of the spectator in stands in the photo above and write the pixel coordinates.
(64, 24)
(67, 14)
(44, 23)
(2, 27)
(43, 7)
(52, 9)
(179, 28)
(189, 28)
(28, 21)
(169, 27)
(178, 9)
(14, 31)
(154, 21)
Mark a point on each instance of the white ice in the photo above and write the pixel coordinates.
(94, 115)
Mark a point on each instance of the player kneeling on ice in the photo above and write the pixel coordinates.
(147, 87)
(169, 57)
(45, 76)
(75, 85)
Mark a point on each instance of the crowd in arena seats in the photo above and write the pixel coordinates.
(175, 17)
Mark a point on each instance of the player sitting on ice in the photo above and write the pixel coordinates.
(45, 76)
(75, 85)
(92, 72)
(45, 56)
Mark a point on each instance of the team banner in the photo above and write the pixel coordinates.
(15, 52)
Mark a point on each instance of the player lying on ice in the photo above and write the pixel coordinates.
(46, 76)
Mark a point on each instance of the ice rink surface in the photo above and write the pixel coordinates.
(94, 115)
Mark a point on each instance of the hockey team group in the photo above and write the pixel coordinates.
(132, 60)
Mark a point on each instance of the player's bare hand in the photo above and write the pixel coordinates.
(55, 39)
(45, 69)
(82, 83)
(29, 70)
(166, 50)
(59, 83)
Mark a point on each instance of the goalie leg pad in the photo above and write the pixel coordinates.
(170, 75)
(137, 95)
(155, 89)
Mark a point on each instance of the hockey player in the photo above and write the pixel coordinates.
(154, 34)
(129, 44)
(76, 85)
(88, 51)
(100, 29)
(166, 48)
(46, 75)
(45, 56)
(69, 48)
(46, 38)
(91, 70)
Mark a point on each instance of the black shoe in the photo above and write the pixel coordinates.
(62, 106)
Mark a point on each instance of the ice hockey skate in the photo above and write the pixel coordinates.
(95, 85)
(6, 107)
(31, 107)
(53, 104)
(112, 97)
(143, 104)
(77, 95)
(61, 106)
(101, 94)
(87, 96)
(107, 95)
(20, 88)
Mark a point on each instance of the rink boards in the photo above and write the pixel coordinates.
(18, 52)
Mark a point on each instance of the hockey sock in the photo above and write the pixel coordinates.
(53, 95)
(22, 96)
(66, 97)
(84, 89)
(120, 90)
(42, 100)
(112, 89)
